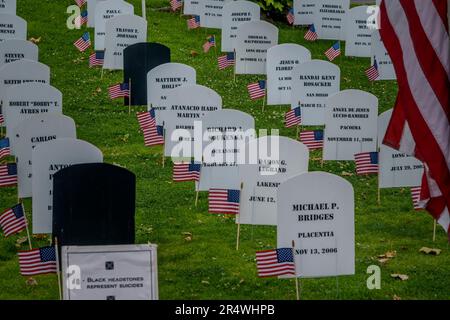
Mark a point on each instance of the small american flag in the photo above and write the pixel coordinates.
(372, 73)
(194, 22)
(313, 139)
(13, 220)
(223, 201)
(334, 51)
(311, 35)
(257, 90)
(176, 4)
(8, 175)
(2, 119)
(82, 18)
(186, 172)
(4, 148)
(120, 90)
(293, 118)
(415, 197)
(146, 119)
(96, 59)
(80, 3)
(83, 43)
(153, 136)
(277, 262)
(210, 42)
(226, 60)
(290, 16)
(37, 261)
(366, 163)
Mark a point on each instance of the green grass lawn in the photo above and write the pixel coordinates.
(208, 266)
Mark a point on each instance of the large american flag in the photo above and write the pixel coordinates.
(226, 60)
(277, 262)
(372, 73)
(4, 148)
(334, 51)
(313, 139)
(257, 90)
(153, 136)
(96, 59)
(224, 201)
(366, 163)
(8, 175)
(293, 117)
(119, 90)
(210, 42)
(176, 4)
(146, 119)
(416, 36)
(290, 16)
(194, 22)
(311, 34)
(13, 220)
(37, 261)
(84, 42)
(186, 172)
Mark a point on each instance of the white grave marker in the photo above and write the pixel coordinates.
(121, 32)
(48, 158)
(192, 7)
(104, 11)
(234, 14)
(330, 18)
(253, 40)
(281, 59)
(316, 210)
(29, 133)
(225, 133)
(312, 83)
(358, 36)
(261, 181)
(8, 6)
(384, 62)
(396, 169)
(12, 27)
(304, 12)
(162, 79)
(211, 13)
(185, 105)
(16, 49)
(91, 5)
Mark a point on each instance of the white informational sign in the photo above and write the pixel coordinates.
(185, 105)
(225, 133)
(28, 100)
(162, 79)
(330, 18)
(312, 83)
(234, 14)
(396, 169)
(350, 124)
(316, 210)
(304, 12)
(253, 40)
(260, 181)
(104, 11)
(16, 49)
(91, 5)
(47, 159)
(211, 13)
(281, 59)
(120, 32)
(114, 272)
(192, 7)
(358, 36)
(29, 133)
(384, 62)
(8, 6)
(12, 27)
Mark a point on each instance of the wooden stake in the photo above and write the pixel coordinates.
(297, 285)
(434, 230)
(234, 67)
(58, 273)
(264, 101)
(196, 198)
(238, 235)
(144, 10)
(129, 96)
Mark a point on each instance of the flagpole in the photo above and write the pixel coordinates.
(26, 227)
(144, 11)
(234, 67)
(129, 96)
(163, 156)
(57, 268)
(297, 285)
(434, 230)
(238, 235)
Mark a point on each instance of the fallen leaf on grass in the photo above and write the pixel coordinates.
(432, 251)
(20, 241)
(34, 40)
(194, 53)
(383, 258)
(188, 236)
(205, 282)
(31, 282)
(347, 174)
(399, 276)
(396, 297)
(40, 236)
